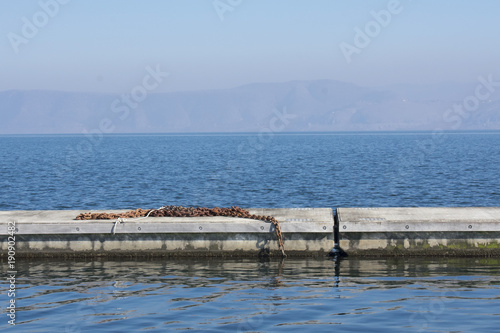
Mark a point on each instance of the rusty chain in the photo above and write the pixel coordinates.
(180, 211)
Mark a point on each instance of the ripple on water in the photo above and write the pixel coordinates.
(378, 295)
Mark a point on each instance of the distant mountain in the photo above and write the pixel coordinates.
(321, 105)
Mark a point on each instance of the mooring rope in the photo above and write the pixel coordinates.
(179, 211)
(118, 221)
(154, 210)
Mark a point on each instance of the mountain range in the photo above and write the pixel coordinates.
(319, 105)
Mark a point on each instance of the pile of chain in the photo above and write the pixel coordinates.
(179, 211)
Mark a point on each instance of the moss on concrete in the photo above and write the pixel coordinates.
(491, 245)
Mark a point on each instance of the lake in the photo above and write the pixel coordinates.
(249, 170)
(353, 295)
(282, 170)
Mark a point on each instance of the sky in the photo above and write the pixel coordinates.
(107, 46)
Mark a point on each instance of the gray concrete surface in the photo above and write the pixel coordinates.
(422, 230)
(305, 231)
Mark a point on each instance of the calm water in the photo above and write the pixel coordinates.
(74, 172)
(385, 295)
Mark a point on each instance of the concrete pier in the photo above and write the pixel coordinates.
(472, 231)
(306, 232)
(460, 231)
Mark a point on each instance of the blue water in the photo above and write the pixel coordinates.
(383, 295)
(76, 172)
(285, 170)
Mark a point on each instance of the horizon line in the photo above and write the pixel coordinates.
(360, 132)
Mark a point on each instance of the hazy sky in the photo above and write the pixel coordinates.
(105, 46)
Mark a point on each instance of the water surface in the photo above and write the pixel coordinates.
(285, 170)
(376, 295)
(282, 170)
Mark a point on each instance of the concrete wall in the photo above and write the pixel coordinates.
(473, 231)
(458, 231)
(306, 232)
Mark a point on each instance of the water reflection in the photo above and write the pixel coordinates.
(84, 276)
(248, 294)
